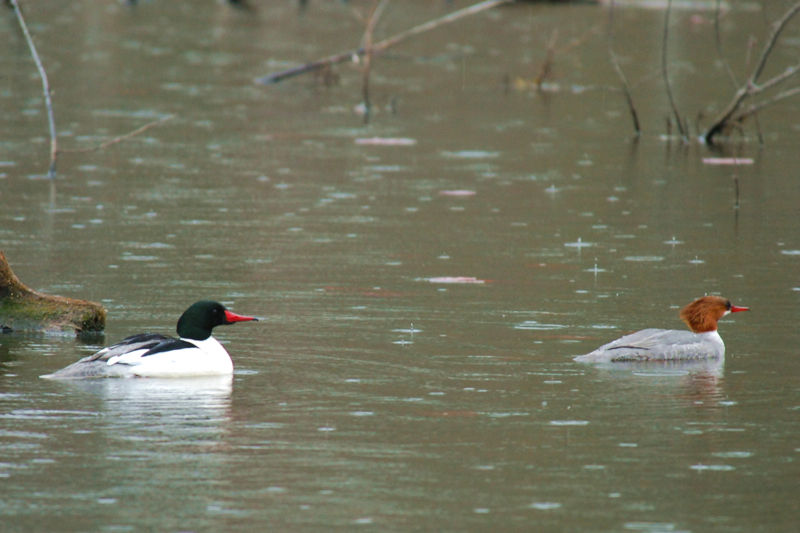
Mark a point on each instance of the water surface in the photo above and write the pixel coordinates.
(424, 298)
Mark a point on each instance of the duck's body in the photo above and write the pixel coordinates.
(703, 342)
(196, 353)
(658, 345)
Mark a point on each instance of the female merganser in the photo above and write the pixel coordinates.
(152, 355)
(703, 342)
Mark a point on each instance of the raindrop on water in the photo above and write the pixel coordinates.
(578, 244)
(595, 269)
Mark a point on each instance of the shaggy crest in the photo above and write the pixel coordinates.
(702, 314)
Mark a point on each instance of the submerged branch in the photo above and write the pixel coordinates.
(119, 139)
(45, 88)
(382, 45)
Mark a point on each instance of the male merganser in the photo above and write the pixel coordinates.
(703, 342)
(152, 355)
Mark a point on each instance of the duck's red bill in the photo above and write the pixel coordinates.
(736, 309)
(233, 317)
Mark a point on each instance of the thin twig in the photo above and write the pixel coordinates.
(776, 31)
(645, 79)
(615, 63)
(750, 87)
(547, 65)
(552, 51)
(372, 22)
(580, 41)
(382, 45)
(666, 75)
(118, 139)
(739, 117)
(357, 13)
(45, 88)
(748, 54)
(720, 49)
(785, 75)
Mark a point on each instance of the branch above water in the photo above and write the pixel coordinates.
(732, 115)
(381, 46)
(45, 88)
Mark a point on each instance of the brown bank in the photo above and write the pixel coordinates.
(23, 309)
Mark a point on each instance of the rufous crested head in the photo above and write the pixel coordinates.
(702, 314)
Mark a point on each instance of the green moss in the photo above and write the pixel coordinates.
(23, 309)
(41, 314)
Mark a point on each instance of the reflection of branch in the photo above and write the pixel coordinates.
(666, 76)
(750, 88)
(118, 139)
(615, 64)
(45, 88)
(383, 45)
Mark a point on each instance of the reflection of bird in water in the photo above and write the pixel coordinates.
(702, 342)
(687, 381)
(163, 416)
(195, 353)
(138, 397)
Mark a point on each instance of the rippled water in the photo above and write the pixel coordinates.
(426, 279)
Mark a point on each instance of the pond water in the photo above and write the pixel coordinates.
(426, 279)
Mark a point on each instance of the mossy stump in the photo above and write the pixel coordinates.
(24, 309)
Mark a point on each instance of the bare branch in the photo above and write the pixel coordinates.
(720, 50)
(739, 117)
(382, 45)
(785, 75)
(547, 65)
(750, 87)
(45, 88)
(366, 45)
(666, 75)
(615, 63)
(777, 28)
(371, 23)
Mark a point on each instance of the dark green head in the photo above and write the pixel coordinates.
(197, 322)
